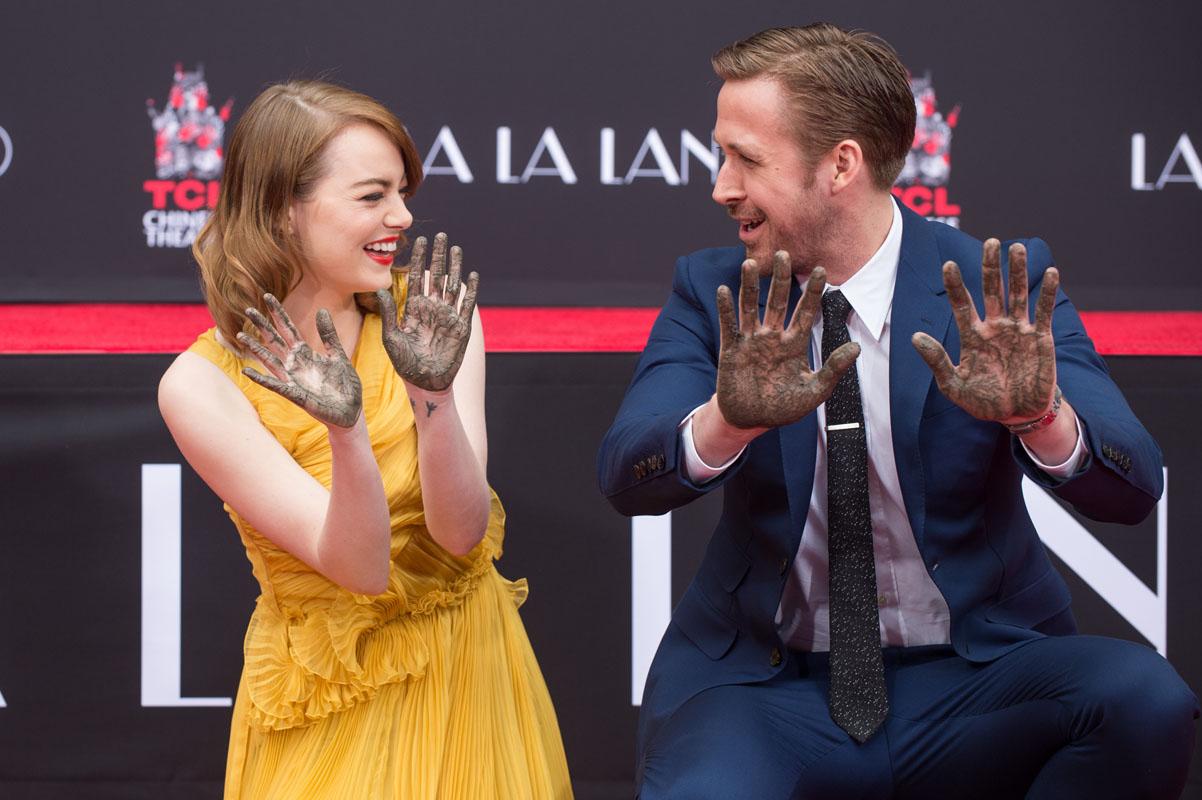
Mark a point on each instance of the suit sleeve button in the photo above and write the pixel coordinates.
(775, 658)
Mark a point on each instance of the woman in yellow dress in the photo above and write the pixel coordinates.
(385, 658)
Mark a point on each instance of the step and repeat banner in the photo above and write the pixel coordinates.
(569, 151)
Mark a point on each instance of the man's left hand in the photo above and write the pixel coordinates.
(1007, 369)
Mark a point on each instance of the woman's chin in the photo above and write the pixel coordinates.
(378, 280)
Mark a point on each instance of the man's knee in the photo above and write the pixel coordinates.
(671, 774)
(1133, 691)
(723, 744)
(1132, 722)
(698, 785)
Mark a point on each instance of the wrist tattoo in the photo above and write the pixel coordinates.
(430, 408)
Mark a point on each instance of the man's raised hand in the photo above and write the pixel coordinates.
(764, 375)
(1007, 369)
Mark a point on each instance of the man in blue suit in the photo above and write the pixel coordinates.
(875, 615)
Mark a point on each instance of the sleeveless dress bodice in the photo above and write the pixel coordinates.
(423, 664)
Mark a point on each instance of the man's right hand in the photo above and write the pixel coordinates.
(764, 375)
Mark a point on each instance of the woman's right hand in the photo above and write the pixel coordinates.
(326, 386)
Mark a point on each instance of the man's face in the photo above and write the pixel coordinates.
(764, 181)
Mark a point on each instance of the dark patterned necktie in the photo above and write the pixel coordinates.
(858, 702)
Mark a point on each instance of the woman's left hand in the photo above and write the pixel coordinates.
(427, 346)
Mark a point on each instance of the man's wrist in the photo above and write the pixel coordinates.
(716, 439)
(1058, 450)
(1040, 423)
(695, 469)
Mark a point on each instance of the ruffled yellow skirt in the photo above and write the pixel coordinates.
(468, 716)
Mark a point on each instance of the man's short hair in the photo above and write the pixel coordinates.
(841, 84)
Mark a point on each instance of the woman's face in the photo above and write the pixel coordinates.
(351, 225)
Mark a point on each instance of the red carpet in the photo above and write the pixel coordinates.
(162, 328)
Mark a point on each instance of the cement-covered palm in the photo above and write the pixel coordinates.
(326, 386)
(764, 374)
(1007, 369)
(427, 346)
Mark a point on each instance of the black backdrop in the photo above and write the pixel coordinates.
(1052, 104)
(74, 726)
(1050, 95)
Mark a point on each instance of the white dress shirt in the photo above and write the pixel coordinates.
(912, 609)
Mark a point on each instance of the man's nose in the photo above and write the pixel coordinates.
(728, 189)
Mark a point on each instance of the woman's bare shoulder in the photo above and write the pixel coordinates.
(194, 384)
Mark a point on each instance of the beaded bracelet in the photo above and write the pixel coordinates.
(1023, 428)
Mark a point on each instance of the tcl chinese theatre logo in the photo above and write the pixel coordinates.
(922, 184)
(189, 134)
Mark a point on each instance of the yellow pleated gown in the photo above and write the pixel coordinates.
(429, 690)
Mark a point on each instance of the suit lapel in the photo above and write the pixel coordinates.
(919, 304)
(794, 296)
(798, 443)
(799, 449)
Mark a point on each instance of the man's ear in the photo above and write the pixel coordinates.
(848, 164)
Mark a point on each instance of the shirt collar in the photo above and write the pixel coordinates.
(870, 289)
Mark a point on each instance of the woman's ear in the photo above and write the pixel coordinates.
(284, 228)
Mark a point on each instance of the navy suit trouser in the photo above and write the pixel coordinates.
(1059, 717)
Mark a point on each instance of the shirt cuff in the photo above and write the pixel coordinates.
(1070, 465)
(695, 469)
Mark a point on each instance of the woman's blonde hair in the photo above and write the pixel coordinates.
(275, 157)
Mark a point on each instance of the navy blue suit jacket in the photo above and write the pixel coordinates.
(960, 477)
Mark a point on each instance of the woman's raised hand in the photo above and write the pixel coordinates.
(427, 346)
(326, 386)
